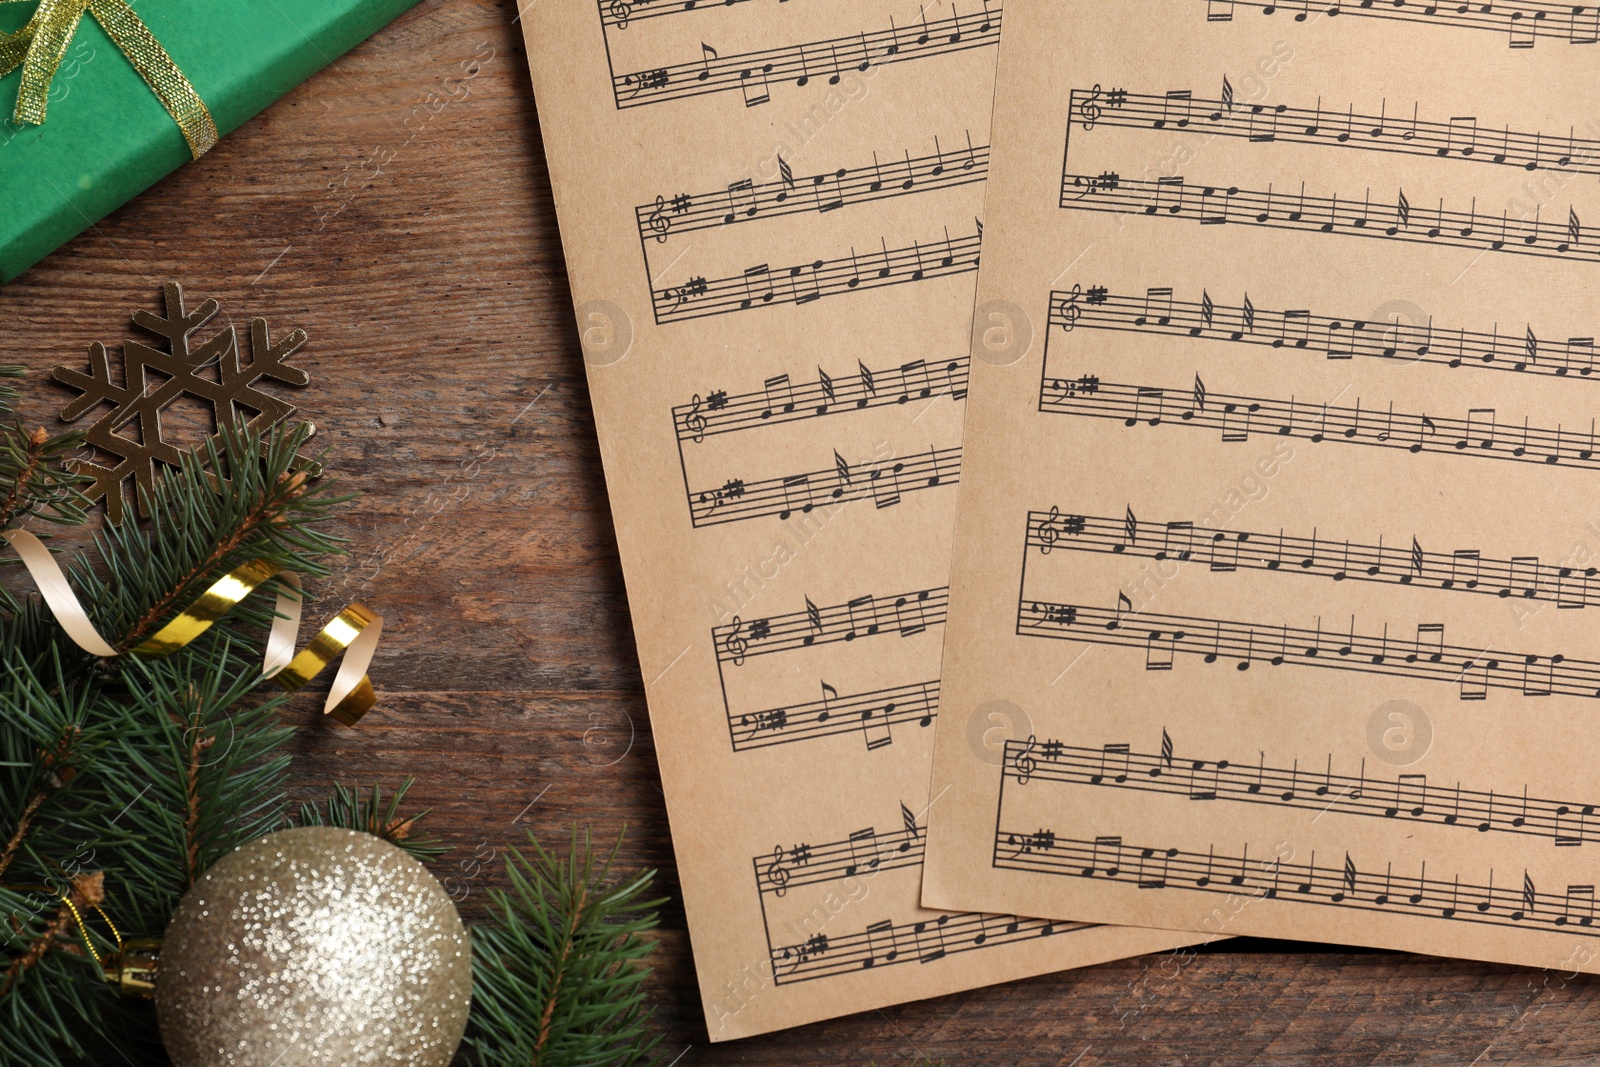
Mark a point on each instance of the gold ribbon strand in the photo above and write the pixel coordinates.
(41, 45)
(353, 633)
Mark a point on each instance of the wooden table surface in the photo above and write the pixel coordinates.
(406, 223)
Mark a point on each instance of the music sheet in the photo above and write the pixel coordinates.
(771, 215)
(1278, 536)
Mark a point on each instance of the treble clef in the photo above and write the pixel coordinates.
(1024, 762)
(778, 874)
(658, 222)
(735, 645)
(1090, 110)
(621, 12)
(1049, 531)
(695, 422)
(1070, 311)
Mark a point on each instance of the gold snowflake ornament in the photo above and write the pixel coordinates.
(153, 378)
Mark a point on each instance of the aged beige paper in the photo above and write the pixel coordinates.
(771, 218)
(1277, 543)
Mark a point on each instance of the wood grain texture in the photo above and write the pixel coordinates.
(416, 242)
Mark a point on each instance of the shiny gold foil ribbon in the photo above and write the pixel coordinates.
(353, 633)
(41, 45)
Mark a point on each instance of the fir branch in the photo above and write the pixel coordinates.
(8, 395)
(51, 739)
(203, 525)
(349, 810)
(559, 968)
(35, 467)
(28, 464)
(268, 512)
(29, 810)
(200, 742)
(203, 774)
(88, 891)
(57, 763)
(41, 945)
(187, 584)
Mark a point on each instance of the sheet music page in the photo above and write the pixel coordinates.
(1278, 534)
(771, 214)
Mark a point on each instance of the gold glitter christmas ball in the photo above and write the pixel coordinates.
(314, 947)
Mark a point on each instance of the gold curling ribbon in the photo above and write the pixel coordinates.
(41, 45)
(353, 633)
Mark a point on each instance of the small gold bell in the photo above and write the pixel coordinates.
(133, 970)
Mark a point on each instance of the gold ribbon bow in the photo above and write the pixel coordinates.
(41, 45)
(353, 632)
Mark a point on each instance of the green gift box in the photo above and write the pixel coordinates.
(107, 137)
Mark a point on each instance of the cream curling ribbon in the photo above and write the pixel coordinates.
(354, 632)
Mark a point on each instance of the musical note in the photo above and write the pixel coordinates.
(800, 494)
(835, 713)
(814, 280)
(1171, 198)
(863, 852)
(1104, 844)
(753, 72)
(780, 400)
(1460, 570)
(885, 482)
(1357, 336)
(1474, 669)
(1182, 870)
(929, 936)
(1577, 906)
(880, 935)
(1523, 22)
(1456, 138)
(1237, 416)
(1577, 818)
(913, 832)
(889, 943)
(874, 712)
(877, 729)
(622, 13)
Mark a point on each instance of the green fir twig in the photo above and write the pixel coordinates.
(558, 970)
(349, 810)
